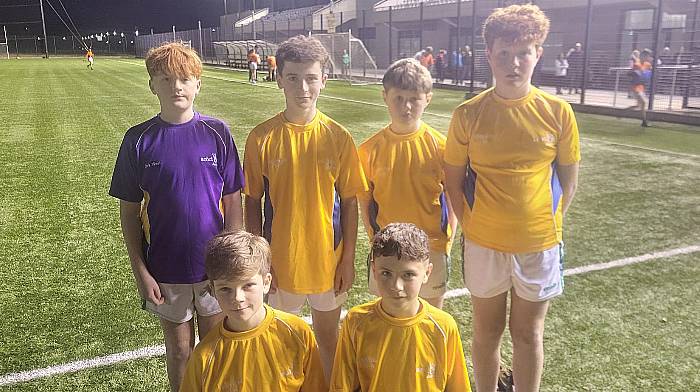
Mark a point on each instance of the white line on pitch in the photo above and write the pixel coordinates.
(152, 351)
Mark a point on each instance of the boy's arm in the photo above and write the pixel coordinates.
(454, 179)
(253, 215)
(314, 378)
(457, 377)
(364, 200)
(452, 219)
(344, 377)
(345, 271)
(233, 212)
(568, 177)
(129, 214)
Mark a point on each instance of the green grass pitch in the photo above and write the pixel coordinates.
(67, 291)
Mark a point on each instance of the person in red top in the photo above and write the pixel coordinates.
(253, 61)
(272, 68)
(640, 75)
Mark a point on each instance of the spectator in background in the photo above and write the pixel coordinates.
(441, 65)
(426, 59)
(633, 59)
(346, 63)
(561, 64)
(575, 71)
(467, 58)
(666, 57)
(457, 63)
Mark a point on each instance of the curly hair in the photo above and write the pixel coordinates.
(403, 240)
(516, 23)
(237, 255)
(174, 58)
(300, 49)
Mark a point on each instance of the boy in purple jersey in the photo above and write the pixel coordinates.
(178, 179)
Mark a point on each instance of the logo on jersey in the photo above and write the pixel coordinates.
(209, 158)
(151, 164)
(429, 370)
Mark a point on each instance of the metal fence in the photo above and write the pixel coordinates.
(57, 45)
(608, 31)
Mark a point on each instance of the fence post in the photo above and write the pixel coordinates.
(276, 31)
(459, 42)
(473, 49)
(420, 38)
(390, 33)
(586, 51)
(201, 47)
(655, 55)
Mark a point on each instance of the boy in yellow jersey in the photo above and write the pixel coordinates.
(403, 164)
(399, 342)
(306, 166)
(512, 159)
(255, 348)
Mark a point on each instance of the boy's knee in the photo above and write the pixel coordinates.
(526, 337)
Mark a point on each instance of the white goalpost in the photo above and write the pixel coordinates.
(4, 45)
(349, 58)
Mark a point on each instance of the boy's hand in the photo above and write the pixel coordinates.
(344, 275)
(149, 289)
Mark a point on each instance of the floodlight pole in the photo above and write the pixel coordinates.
(7, 43)
(43, 25)
(472, 61)
(655, 54)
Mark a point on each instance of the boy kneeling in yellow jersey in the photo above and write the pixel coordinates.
(255, 348)
(399, 342)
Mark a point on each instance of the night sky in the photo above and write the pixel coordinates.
(92, 16)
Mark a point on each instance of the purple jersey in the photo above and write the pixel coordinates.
(181, 173)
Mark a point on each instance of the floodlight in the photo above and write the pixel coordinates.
(137, 33)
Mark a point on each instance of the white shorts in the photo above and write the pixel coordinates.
(535, 277)
(183, 300)
(292, 303)
(253, 66)
(435, 287)
(90, 59)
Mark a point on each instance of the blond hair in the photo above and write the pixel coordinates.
(403, 240)
(408, 74)
(237, 255)
(301, 49)
(174, 58)
(516, 24)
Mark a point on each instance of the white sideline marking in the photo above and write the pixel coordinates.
(15, 378)
(152, 351)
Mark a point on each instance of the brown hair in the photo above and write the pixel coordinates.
(403, 240)
(516, 23)
(237, 255)
(408, 74)
(174, 58)
(300, 49)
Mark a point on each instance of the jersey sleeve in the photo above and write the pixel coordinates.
(345, 376)
(231, 168)
(457, 145)
(457, 377)
(364, 152)
(351, 179)
(314, 379)
(252, 168)
(125, 178)
(568, 147)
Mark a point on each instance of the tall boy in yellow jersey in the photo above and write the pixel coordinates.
(255, 348)
(399, 342)
(512, 167)
(306, 166)
(403, 164)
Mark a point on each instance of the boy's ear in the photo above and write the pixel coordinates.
(429, 97)
(150, 86)
(267, 281)
(199, 86)
(428, 271)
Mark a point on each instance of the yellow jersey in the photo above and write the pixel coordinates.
(405, 177)
(377, 352)
(280, 354)
(303, 171)
(512, 195)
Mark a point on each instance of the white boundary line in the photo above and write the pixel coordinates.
(153, 351)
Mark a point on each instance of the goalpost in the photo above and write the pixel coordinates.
(349, 58)
(4, 45)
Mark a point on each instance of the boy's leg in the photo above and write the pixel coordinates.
(434, 289)
(527, 330)
(179, 341)
(207, 323)
(325, 325)
(489, 322)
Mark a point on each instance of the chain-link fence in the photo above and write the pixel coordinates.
(18, 46)
(608, 31)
